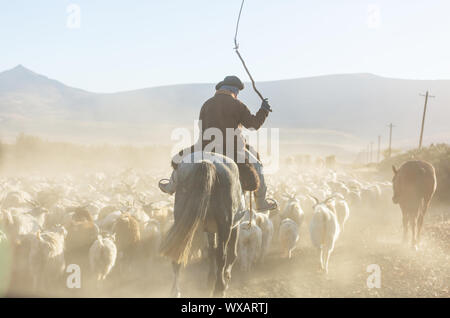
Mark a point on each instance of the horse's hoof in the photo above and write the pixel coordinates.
(210, 282)
(176, 293)
(228, 274)
(219, 294)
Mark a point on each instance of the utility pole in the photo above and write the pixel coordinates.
(379, 148)
(390, 139)
(361, 155)
(368, 154)
(423, 117)
(371, 151)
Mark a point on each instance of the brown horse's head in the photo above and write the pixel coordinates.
(395, 185)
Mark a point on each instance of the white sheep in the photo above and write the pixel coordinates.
(294, 211)
(102, 256)
(324, 230)
(150, 238)
(40, 214)
(17, 224)
(265, 224)
(14, 199)
(342, 211)
(106, 223)
(288, 236)
(3, 237)
(46, 259)
(371, 195)
(354, 198)
(249, 245)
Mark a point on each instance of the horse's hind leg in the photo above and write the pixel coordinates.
(231, 253)
(322, 266)
(175, 288)
(219, 288)
(413, 222)
(405, 226)
(212, 260)
(422, 212)
(221, 259)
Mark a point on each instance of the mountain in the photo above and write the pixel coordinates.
(25, 93)
(348, 109)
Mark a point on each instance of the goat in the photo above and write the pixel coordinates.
(128, 236)
(249, 245)
(265, 224)
(46, 258)
(324, 230)
(102, 256)
(288, 236)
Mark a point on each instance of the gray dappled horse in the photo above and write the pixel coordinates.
(208, 198)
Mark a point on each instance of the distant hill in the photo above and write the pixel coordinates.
(348, 110)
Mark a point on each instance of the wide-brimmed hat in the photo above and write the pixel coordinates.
(231, 81)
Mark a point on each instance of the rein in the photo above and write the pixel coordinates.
(251, 210)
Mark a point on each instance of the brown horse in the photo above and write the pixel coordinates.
(414, 184)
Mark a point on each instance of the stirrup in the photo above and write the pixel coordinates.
(161, 184)
(269, 201)
(274, 202)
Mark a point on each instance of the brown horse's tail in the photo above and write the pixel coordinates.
(176, 245)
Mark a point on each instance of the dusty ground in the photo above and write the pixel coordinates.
(368, 239)
(404, 272)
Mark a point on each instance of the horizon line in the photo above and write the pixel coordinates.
(20, 66)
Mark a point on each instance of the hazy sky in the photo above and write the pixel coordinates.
(123, 45)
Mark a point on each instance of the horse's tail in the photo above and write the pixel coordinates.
(177, 243)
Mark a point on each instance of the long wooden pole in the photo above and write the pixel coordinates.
(423, 118)
(390, 140)
(379, 148)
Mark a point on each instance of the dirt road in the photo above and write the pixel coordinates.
(367, 239)
(370, 237)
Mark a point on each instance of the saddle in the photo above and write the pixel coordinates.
(248, 176)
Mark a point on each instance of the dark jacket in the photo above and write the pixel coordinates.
(224, 111)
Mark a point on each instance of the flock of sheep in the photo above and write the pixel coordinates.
(324, 199)
(106, 223)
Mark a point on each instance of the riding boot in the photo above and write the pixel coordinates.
(262, 204)
(170, 186)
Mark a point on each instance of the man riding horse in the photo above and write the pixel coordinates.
(224, 112)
